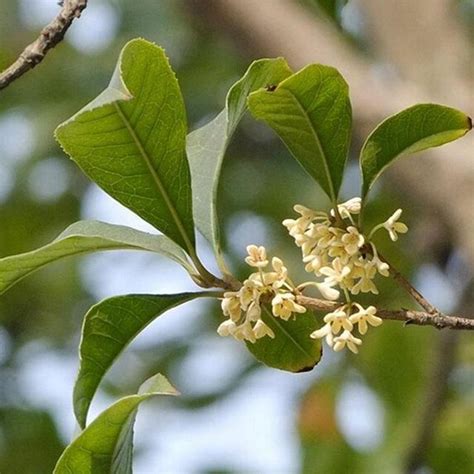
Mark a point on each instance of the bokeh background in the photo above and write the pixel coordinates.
(404, 404)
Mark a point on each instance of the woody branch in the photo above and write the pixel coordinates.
(49, 37)
(419, 318)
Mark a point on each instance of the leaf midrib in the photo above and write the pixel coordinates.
(284, 331)
(318, 143)
(156, 178)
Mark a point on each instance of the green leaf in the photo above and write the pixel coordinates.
(108, 328)
(131, 139)
(84, 237)
(414, 129)
(105, 445)
(292, 349)
(207, 146)
(311, 112)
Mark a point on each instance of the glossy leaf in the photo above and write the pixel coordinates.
(130, 140)
(414, 129)
(311, 112)
(108, 328)
(85, 237)
(105, 445)
(292, 349)
(206, 146)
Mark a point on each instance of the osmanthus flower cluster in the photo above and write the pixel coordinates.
(334, 250)
(244, 307)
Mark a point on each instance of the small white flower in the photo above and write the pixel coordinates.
(365, 270)
(254, 311)
(261, 330)
(244, 332)
(352, 206)
(281, 272)
(327, 291)
(394, 227)
(296, 226)
(352, 240)
(257, 256)
(284, 305)
(231, 305)
(227, 328)
(304, 211)
(364, 316)
(325, 332)
(338, 320)
(347, 339)
(382, 267)
(262, 281)
(324, 235)
(314, 263)
(337, 274)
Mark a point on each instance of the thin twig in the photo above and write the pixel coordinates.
(49, 37)
(407, 286)
(420, 318)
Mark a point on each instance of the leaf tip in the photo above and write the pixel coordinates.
(158, 384)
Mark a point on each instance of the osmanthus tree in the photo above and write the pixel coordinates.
(132, 141)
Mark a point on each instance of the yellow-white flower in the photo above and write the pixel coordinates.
(281, 272)
(244, 332)
(231, 305)
(365, 270)
(284, 305)
(352, 240)
(336, 274)
(324, 332)
(338, 320)
(347, 339)
(261, 330)
(227, 328)
(327, 291)
(364, 317)
(352, 206)
(382, 267)
(394, 227)
(323, 234)
(296, 226)
(314, 263)
(257, 256)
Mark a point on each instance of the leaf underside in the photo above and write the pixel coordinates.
(85, 237)
(207, 145)
(105, 446)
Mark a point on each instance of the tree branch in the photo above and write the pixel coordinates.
(419, 318)
(49, 37)
(411, 290)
